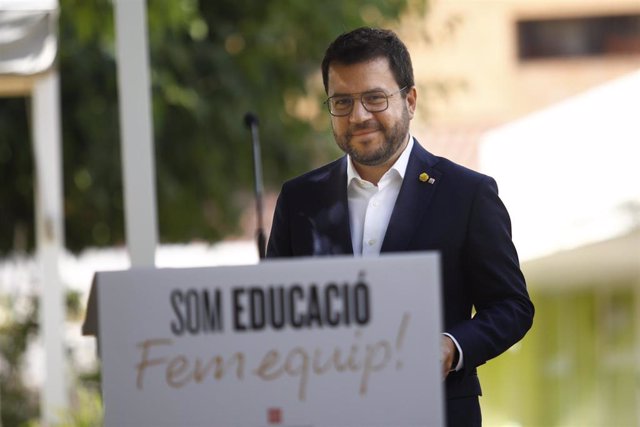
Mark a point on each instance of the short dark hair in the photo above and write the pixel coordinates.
(364, 44)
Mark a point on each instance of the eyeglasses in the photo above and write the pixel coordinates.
(373, 101)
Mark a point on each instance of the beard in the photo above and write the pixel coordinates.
(394, 138)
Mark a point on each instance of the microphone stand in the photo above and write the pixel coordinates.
(251, 122)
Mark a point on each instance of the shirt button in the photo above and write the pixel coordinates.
(376, 204)
(371, 242)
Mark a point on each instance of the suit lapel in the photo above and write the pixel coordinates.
(413, 200)
(332, 220)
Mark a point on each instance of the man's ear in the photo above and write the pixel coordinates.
(411, 100)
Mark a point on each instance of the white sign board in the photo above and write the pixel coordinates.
(311, 342)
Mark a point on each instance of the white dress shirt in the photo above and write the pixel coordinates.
(370, 206)
(370, 209)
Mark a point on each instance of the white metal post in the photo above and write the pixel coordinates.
(134, 91)
(50, 241)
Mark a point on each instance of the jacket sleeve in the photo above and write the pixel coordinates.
(504, 311)
(279, 244)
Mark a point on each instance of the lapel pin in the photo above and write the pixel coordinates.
(424, 177)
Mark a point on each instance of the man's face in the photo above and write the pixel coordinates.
(371, 139)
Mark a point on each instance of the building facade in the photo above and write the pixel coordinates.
(498, 67)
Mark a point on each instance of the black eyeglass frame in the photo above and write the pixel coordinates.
(361, 96)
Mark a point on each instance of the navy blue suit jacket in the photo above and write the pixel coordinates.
(459, 214)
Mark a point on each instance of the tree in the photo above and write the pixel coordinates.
(18, 325)
(211, 62)
(16, 177)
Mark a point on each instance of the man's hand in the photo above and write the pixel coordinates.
(448, 355)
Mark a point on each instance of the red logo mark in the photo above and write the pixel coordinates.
(274, 416)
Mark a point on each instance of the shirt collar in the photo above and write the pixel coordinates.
(400, 165)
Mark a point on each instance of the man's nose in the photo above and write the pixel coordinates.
(359, 114)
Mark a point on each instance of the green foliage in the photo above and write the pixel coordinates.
(16, 177)
(211, 62)
(91, 143)
(18, 404)
(88, 410)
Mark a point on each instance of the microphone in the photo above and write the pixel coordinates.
(251, 122)
(251, 119)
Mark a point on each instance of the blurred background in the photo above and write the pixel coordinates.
(544, 95)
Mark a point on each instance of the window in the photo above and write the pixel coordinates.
(575, 37)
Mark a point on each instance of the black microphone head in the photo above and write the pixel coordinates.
(250, 119)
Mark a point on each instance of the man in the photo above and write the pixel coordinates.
(388, 194)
